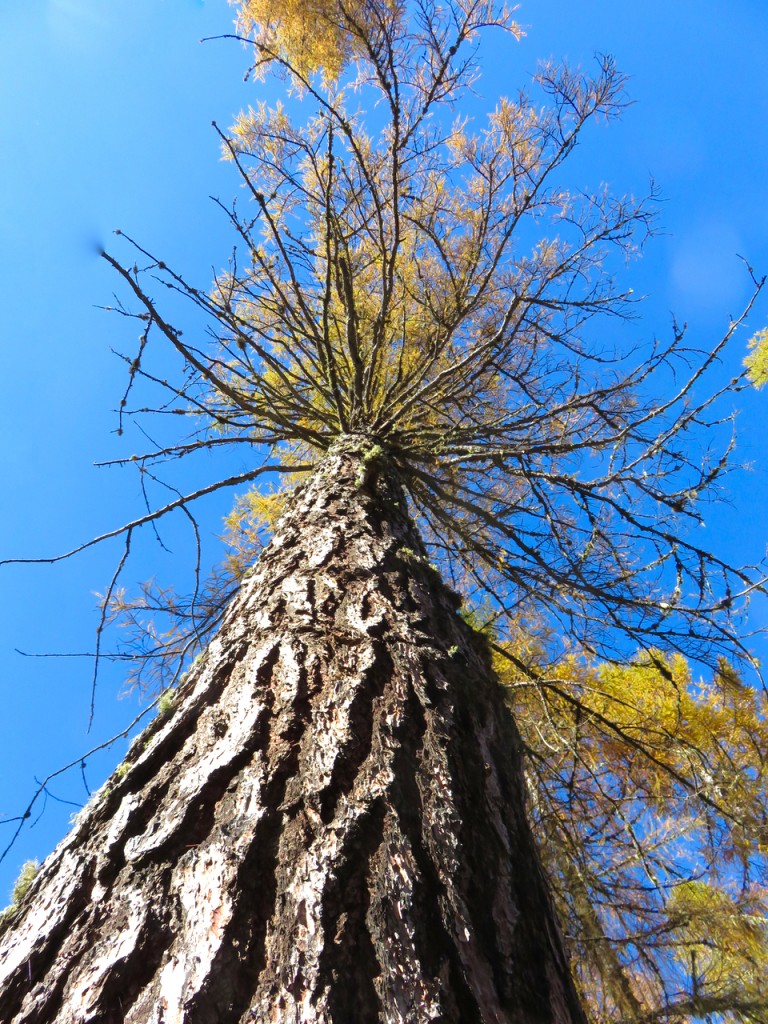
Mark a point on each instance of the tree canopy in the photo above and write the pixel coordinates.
(435, 285)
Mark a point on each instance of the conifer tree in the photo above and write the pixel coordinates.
(327, 821)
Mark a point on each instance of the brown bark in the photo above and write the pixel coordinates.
(328, 827)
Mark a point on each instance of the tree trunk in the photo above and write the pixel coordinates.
(329, 826)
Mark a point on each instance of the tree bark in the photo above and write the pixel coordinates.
(329, 826)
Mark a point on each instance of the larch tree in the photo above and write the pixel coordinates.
(488, 508)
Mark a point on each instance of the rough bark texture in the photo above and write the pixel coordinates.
(328, 827)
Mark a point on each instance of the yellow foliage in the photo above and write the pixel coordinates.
(305, 31)
(757, 361)
(723, 943)
(313, 35)
(252, 514)
(25, 878)
(650, 801)
(255, 514)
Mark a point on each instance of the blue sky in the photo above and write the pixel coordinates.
(105, 112)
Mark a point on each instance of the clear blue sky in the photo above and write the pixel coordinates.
(105, 112)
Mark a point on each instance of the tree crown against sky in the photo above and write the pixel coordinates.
(382, 294)
(431, 282)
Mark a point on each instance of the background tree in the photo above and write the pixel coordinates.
(648, 795)
(464, 323)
